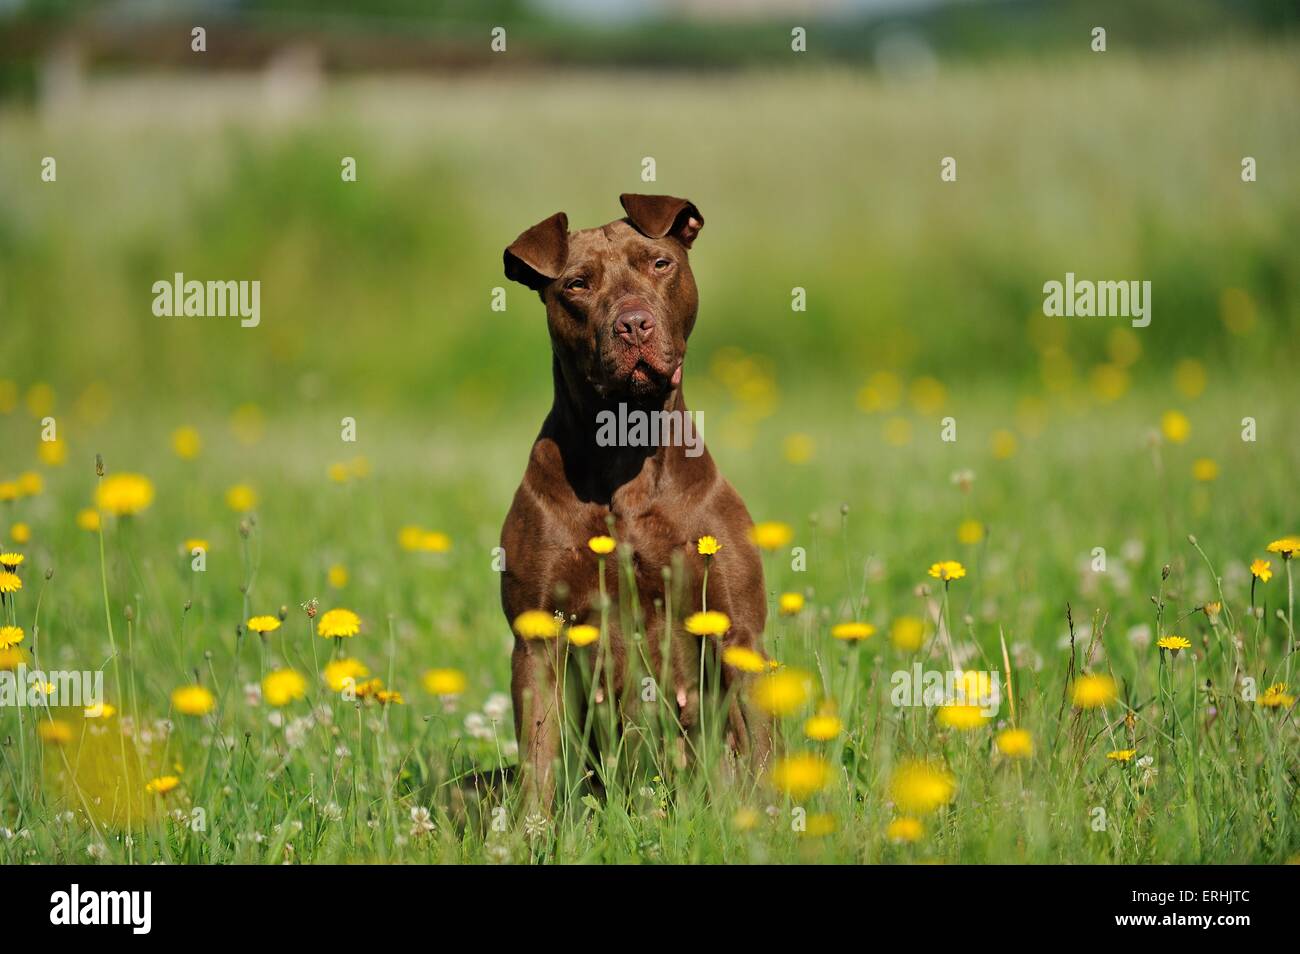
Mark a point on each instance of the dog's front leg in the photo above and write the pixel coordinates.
(750, 729)
(538, 712)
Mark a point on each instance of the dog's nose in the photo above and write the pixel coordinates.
(635, 326)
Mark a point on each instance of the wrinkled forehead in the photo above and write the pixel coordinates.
(617, 238)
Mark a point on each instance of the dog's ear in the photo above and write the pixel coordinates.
(656, 216)
(537, 257)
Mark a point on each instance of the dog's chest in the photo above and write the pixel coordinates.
(650, 542)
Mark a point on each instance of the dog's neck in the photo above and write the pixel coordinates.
(595, 471)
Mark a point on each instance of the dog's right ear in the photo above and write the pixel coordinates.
(537, 257)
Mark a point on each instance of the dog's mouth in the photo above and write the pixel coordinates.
(645, 374)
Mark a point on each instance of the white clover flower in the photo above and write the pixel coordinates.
(421, 821)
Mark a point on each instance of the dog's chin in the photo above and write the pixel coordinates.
(644, 381)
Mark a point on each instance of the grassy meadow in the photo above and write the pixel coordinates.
(924, 303)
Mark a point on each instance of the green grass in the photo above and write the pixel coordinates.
(375, 306)
(1224, 791)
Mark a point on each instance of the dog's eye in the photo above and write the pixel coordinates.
(575, 283)
(662, 264)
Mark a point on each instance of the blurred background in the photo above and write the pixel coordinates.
(816, 169)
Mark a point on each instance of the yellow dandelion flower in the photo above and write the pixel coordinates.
(54, 731)
(852, 631)
(1286, 546)
(601, 545)
(194, 543)
(961, 717)
(1189, 377)
(389, 697)
(1276, 697)
(919, 788)
(11, 561)
(283, 686)
(927, 394)
(1121, 755)
(882, 392)
(897, 432)
(907, 633)
(52, 453)
(10, 636)
(1109, 382)
(445, 682)
(800, 775)
(746, 660)
(583, 634)
(264, 624)
(434, 541)
(40, 399)
(1175, 426)
(798, 448)
(408, 538)
(124, 494)
(970, 532)
(20, 533)
(337, 576)
(1175, 644)
(247, 423)
(973, 686)
(823, 727)
(904, 830)
(819, 825)
(193, 700)
(790, 604)
(537, 624)
(1091, 692)
(241, 498)
(782, 692)
(1213, 609)
(1015, 743)
(947, 570)
(1004, 445)
(9, 491)
(105, 710)
(10, 582)
(746, 819)
(11, 659)
(1262, 570)
(1205, 470)
(162, 785)
(30, 483)
(186, 443)
(88, 519)
(338, 623)
(771, 535)
(708, 623)
(707, 546)
(341, 673)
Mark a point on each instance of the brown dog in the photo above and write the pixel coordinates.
(620, 304)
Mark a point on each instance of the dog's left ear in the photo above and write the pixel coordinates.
(656, 216)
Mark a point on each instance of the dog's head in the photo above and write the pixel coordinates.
(620, 299)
